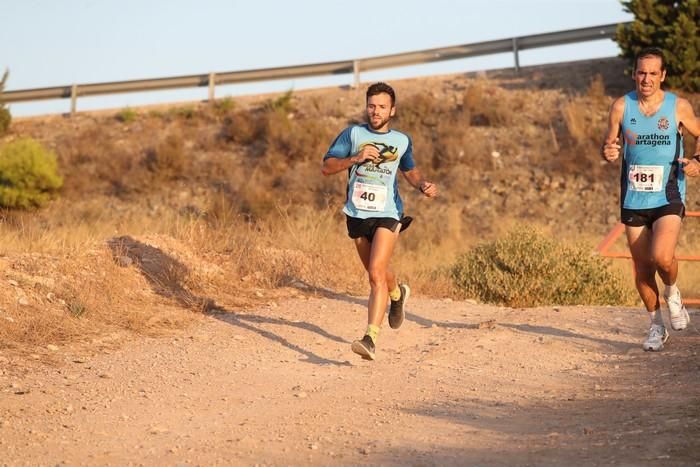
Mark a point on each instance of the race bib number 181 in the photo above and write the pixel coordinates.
(646, 177)
(368, 197)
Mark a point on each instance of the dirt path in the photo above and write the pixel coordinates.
(458, 384)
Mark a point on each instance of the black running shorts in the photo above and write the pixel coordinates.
(647, 217)
(358, 228)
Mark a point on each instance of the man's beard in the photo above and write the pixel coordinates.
(382, 123)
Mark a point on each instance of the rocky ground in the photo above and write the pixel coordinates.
(458, 384)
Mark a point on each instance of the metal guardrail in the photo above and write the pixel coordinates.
(514, 45)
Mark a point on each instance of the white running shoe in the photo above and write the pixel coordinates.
(679, 315)
(656, 338)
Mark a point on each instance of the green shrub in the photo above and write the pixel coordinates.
(284, 103)
(187, 112)
(5, 119)
(127, 115)
(526, 269)
(5, 116)
(225, 105)
(28, 174)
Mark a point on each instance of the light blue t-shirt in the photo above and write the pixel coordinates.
(373, 188)
(651, 175)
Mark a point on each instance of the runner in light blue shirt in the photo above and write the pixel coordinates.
(373, 155)
(651, 123)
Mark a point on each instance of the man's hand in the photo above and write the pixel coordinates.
(611, 150)
(429, 189)
(368, 152)
(691, 167)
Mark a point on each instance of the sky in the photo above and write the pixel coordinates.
(47, 43)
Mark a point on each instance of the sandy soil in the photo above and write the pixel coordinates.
(458, 384)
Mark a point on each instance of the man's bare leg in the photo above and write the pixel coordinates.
(376, 261)
(364, 249)
(665, 239)
(640, 241)
(666, 230)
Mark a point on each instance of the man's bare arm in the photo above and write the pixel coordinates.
(415, 178)
(687, 118)
(610, 150)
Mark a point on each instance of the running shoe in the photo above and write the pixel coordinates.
(679, 315)
(364, 347)
(656, 338)
(396, 309)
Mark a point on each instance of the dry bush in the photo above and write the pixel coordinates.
(169, 159)
(100, 164)
(486, 105)
(296, 139)
(421, 110)
(585, 119)
(526, 268)
(586, 116)
(244, 127)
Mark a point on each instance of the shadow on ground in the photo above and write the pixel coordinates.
(167, 277)
(562, 433)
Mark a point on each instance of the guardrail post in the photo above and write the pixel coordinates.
(73, 99)
(355, 73)
(515, 54)
(212, 82)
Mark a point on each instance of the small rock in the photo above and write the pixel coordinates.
(13, 283)
(52, 347)
(155, 430)
(24, 301)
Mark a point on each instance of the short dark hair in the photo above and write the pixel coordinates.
(650, 52)
(381, 87)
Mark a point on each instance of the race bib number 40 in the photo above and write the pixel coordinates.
(646, 177)
(368, 197)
